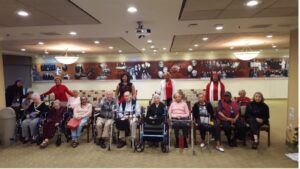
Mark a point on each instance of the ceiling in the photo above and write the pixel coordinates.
(176, 25)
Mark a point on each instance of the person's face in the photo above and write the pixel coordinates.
(194, 62)
(201, 98)
(109, 95)
(76, 93)
(156, 100)
(215, 78)
(56, 105)
(57, 81)
(19, 84)
(167, 77)
(257, 98)
(127, 97)
(35, 100)
(83, 100)
(242, 94)
(178, 98)
(125, 78)
(161, 64)
(227, 98)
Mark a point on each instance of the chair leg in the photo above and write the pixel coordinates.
(88, 133)
(269, 138)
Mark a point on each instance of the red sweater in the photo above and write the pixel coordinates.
(215, 91)
(59, 92)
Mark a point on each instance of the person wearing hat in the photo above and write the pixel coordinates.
(228, 114)
(215, 89)
(59, 91)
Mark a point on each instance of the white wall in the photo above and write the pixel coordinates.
(272, 88)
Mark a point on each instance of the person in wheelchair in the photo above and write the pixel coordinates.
(82, 112)
(52, 122)
(203, 113)
(228, 114)
(156, 111)
(179, 110)
(33, 116)
(128, 114)
(105, 118)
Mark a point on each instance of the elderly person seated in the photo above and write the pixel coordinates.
(242, 100)
(228, 114)
(179, 110)
(82, 112)
(257, 114)
(156, 111)
(129, 111)
(107, 106)
(37, 110)
(203, 112)
(54, 119)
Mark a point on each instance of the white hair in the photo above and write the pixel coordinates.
(36, 96)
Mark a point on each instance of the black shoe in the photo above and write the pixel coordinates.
(102, 144)
(177, 143)
(25, 141)
(121, 144)
(99, 142)
(232, 143)
(254, 145)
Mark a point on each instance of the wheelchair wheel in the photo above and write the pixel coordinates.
(58, 140)
(140, 147)
(165, 148)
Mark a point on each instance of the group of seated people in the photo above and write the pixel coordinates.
(230, 115)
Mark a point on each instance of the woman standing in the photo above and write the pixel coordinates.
(53, 121)
(257, 114)
(167, 89)
(82, 112)
(215, 90)
(59, 91)
(124, 86)
(14, 93)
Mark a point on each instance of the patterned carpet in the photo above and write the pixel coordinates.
(89, 155)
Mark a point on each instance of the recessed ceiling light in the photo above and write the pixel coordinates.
(205, 38)
(120, 51)
(190, 49)
(110, 47)
(164, 48)
(149, 41)
(73, 33)
(41, 43)
(154, 50)
(143, 49)
(252, 3)
(196, 45)
(46, 52)
(274, 46)
(269, 36)
(83, 51)
(23, 13)
(132, 9)
(219, 27)
(231, 47)
(152, 46)
(23, 49)
(96, 42)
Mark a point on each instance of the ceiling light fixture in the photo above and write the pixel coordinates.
(149, 41)
(154, 50)
(41, 43)
(23, 49)
(252, 3)
(120, 51)
(231, 47)
(152, 46)
(190, 49)
(205, 38)
(196, 45)
(83, 52)
(219, 27)
(73, 33)
(96, 42)
(46, 52)
(132, 9)
(23, 13)
(66, 59)
(274, 46)
(164, 48)
(143, 49)
(110, 47)
(246, 54)
(269, 36)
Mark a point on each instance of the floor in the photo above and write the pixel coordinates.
(89, 155)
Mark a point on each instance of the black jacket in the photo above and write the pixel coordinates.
(12, 93)
(43, 110)
(209, 109)
(156, 113)
(258, 110)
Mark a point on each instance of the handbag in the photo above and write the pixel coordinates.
(73, 123)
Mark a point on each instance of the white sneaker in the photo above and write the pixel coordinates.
(221, 149)
(202, 145)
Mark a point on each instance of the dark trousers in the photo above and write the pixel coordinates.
(254, 126)
(214, 130)
(237, 130)
(168, 101)
(183, 128)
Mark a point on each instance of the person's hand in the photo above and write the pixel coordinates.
(259, 120)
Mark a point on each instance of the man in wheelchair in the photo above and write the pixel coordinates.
(105, 117)
(127, 119)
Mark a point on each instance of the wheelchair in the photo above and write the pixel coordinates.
(154, 132)
(186, 122)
